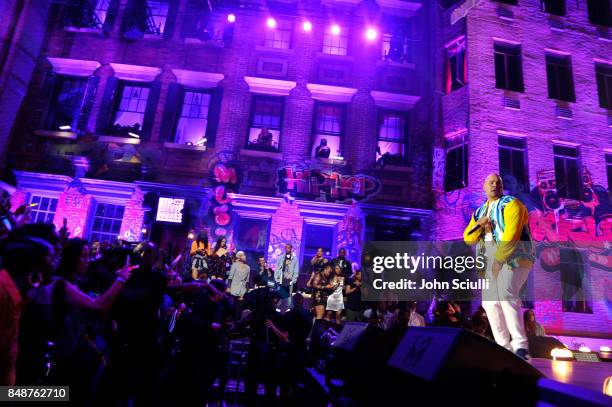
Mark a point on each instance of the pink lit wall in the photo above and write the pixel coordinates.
(75, 207)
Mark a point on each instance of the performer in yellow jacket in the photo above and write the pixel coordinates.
(500, 227)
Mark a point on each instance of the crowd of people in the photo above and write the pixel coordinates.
(122, 325)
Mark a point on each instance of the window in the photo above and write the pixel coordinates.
(391, 138)
(192, 122)
(130, 113)
(199, 24)
(508, 69)
(604, 85)
(567, 172)
(157, 14)
(559, 76)
(251, 236)
(328, 130)
(266, 119)
(313, 237)
(556, 7)
(599, 12)
(609, 172)
(513, 163)
(335, 42)
(43, 210)
(512, 2)
(279, 36)
(455, 174)
(455, 66)
(64, 114)
(396, 45)
(573, 279)
(87, 13)
(106, 222)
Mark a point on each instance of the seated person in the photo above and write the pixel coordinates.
(322, 150)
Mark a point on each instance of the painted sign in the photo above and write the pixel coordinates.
(326, 185)
(170, 210)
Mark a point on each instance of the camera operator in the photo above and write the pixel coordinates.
(268, 348)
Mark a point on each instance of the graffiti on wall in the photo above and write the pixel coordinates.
(350, 233)
(326, 185)
(224, 180)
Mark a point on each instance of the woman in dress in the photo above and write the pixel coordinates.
(220, 259)
(321, 287)
(200, 250)
(335, 302)
(317, 263)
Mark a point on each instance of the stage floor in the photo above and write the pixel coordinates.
(590, 375)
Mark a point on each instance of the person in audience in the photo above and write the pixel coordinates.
(415, 319)
(380, 315)
(480, 323)
(265, 275)
(532, 327)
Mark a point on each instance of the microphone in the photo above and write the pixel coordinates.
(474, 229)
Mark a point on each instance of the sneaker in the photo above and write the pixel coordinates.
(523, 353)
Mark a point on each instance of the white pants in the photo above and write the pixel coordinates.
(502, 304)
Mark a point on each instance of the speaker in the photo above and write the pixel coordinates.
(469, 367)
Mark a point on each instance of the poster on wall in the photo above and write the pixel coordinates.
(170, 210)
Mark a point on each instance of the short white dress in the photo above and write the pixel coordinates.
(335, 301)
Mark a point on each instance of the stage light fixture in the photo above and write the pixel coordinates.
(201, 141)
(584, 349)
(371, 34)
(134, 135)
(144, 231)
(191, 236)
(604, 348)
(335, 29)
(307, 26)
(561, 354)
(271, 23)
(231, 18)
(65, 127)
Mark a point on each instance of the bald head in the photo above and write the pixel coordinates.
(493, 187)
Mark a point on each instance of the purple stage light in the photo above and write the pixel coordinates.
(307, 26)
(231, 18)
(335, 29)
(271, 23)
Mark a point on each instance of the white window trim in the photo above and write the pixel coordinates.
(334, 94)
(394, 101)
(198, 79)
(135, 73)
(266, 86)
(73, 67)
(505, 133)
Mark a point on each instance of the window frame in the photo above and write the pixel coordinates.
(570, 193)
(343, 113)
(380, 120)
(344, 33)
(505, 49)
(608, 160)
(286, 26)
(117, 104)
(594, 14)
(603, 79)
(455, 143)
(553, 62)
(179, 107)
(150, 14)
(254, 99)
(557, 7)
(53, 107)
(305, 266)
(94, 14)
(455, 48)
(522, 149)
(90, 226)
(36, 211)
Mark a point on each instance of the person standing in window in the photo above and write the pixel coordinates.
(322, 150)
(199, 252)
(343, 263)
(264, 138)
(286, 273)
